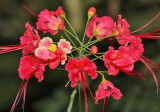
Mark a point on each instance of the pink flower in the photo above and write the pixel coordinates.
(51, 54)
(105, 89)
(77, 69)
(116, 60)
(65, 45)
(49, 21)
(100, 27)
(29, 42)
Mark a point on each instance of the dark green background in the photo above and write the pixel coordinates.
(50, 95)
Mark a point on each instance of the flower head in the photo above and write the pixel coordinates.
(77, 68)
(30, 40)
(51, 53)
(107, 89)
(100, 27)
(49, 21)
(30, 65)
(116, 60)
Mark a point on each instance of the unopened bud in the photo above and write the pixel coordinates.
(91, 12)
(61, 26)
(52, 13)
(61, 12)
(94, 49)
(119, 31)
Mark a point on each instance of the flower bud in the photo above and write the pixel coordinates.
(61, 27)
(52, 13)
(119, 31)
(61, 12)
(94, 49)
(91, 12)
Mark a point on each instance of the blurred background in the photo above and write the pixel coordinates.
(50, 95)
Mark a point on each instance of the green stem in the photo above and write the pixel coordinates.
(91, 38)
(103, 71)
(67, 83)
(71, 42)
(101, 53)
(95, 41)
(94, 55)
(71, 27)
(71, 100)
(80, 104)
(70, 39)
(103, 78)
(85, 30)
(96, 58)
(73, 36)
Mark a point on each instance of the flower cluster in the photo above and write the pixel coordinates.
(39, 52)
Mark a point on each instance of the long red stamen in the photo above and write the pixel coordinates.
(151, 32)
(148, 65)
(84, 90)
(85, 96)
(149, 36)
(9, 48)
(29, 10)
(22, 91)
(100, 106)
(146, 24)
(130, 73)
(103, 104)
(151, 62)
(89, 90)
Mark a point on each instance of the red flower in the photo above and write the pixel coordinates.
(105, 89)
(29, 65)
(77, 69)
(49, 21)
(100, 27)
(124, 58)
(123, 34)
(29, 42)
(116, 60)
(136, 50)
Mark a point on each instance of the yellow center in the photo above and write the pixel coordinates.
(53, 47)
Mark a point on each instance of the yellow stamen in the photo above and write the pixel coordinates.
(53, 47)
